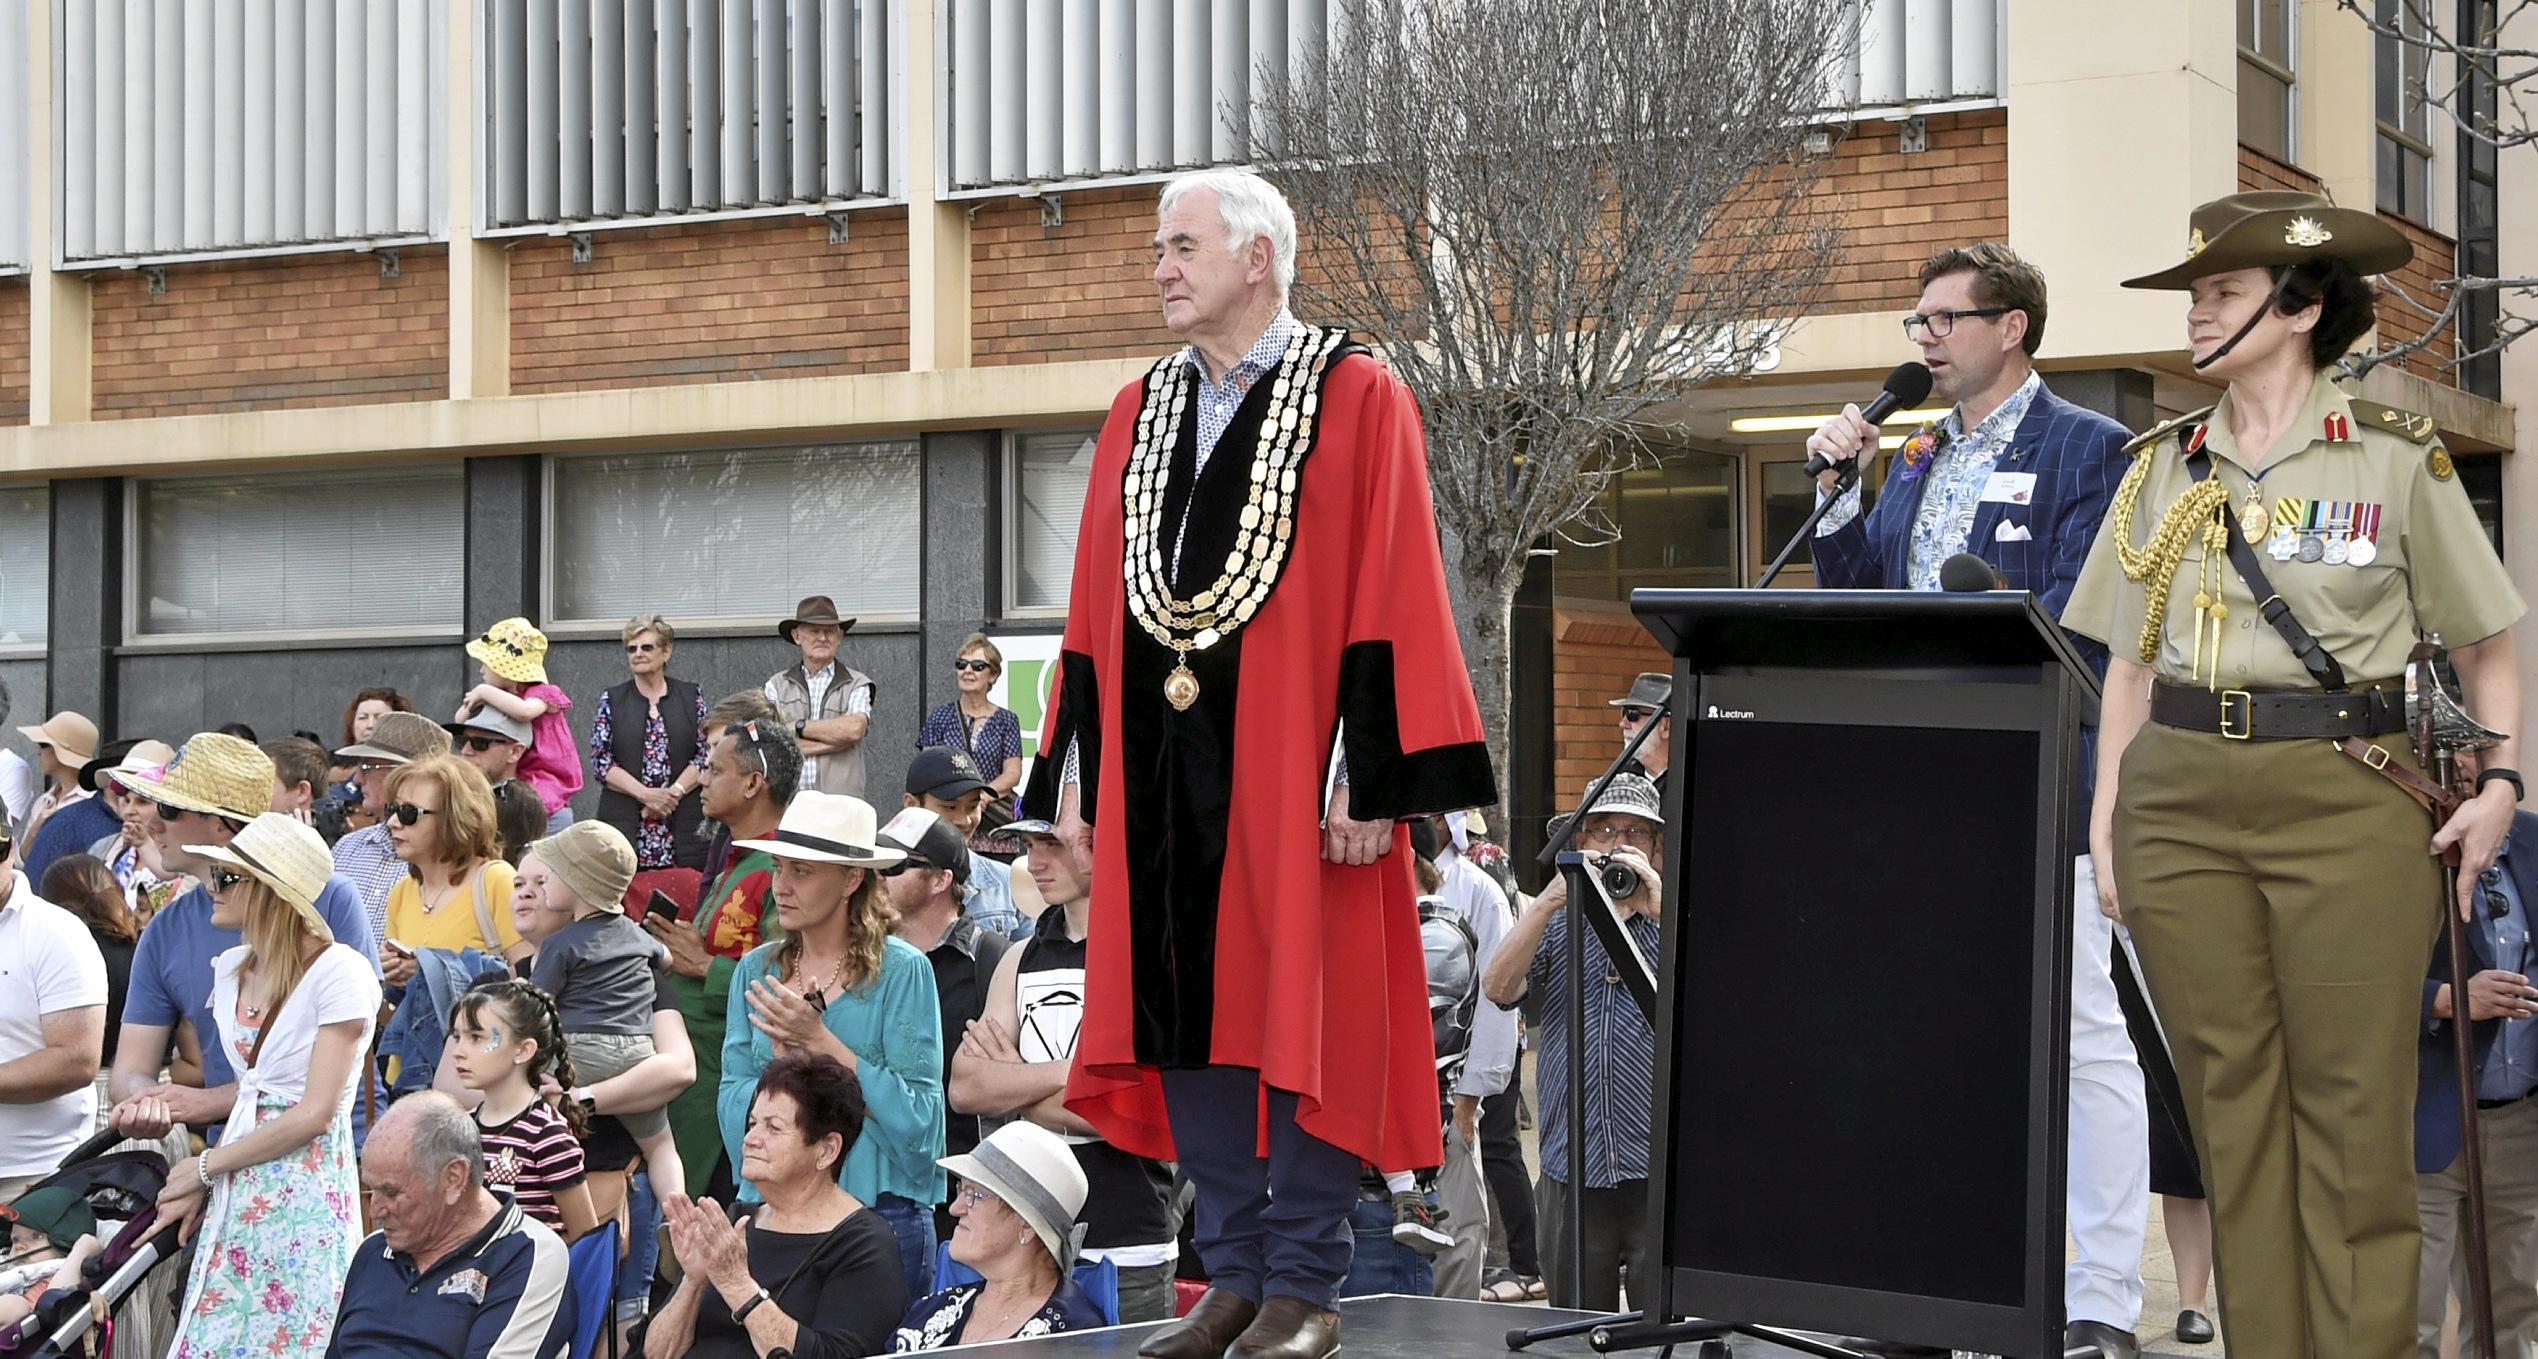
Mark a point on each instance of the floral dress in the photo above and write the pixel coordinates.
(278, 1236)
(655, 844)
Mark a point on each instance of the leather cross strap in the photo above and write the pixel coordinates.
(2313, 656)
(2434, 798)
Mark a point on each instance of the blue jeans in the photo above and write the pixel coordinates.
(1383, 1265)
(643, 1248)
(913, 1224)
(562, 817)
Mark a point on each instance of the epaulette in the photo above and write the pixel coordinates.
(2151, 437)
(2390, 420)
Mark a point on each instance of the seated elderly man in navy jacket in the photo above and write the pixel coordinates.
(455, 1269)
(2503, 1007)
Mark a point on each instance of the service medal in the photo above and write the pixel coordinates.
(2362, 553)
(2336, 552)
(2284, 546)
(2312, 547)
(2254, 521)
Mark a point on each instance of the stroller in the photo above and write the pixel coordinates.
(114, 1196)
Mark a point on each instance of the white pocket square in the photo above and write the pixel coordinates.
(2008, 532)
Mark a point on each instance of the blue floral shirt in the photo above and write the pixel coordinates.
(1964, 462)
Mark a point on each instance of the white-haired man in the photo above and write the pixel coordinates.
(1265, 573)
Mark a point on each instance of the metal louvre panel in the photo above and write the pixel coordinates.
(238, 126)
(636, 108)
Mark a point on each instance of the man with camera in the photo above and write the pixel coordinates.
(1624, 834)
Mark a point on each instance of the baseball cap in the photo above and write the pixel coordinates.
(930, 841)
(945, 773)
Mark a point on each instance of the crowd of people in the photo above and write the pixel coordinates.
(808, 1063)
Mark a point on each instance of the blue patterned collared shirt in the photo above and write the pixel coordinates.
(2511, 1068)
(1217, 401)
(1621, 1057)
(1964, 462)
(368, 860)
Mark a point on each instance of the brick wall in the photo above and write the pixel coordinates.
(1079, 290)
(2257, 170)
(302, 330)
(1898, 210)
(16, 325)
(1596, 649)
(2436, 259)
(711, 302)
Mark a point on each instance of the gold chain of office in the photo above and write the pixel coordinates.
(1264, 531)
(2202, 511)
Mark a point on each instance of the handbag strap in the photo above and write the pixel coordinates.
(2313, 655)
(484, 912)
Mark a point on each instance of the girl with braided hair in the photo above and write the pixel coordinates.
(505, 1037)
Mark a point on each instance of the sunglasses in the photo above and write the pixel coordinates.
(406, 813)
(481, 744)
(166, 812)
(973, 665)
(642, 648)
(223, 879)
(907, 865)
(1637, 714)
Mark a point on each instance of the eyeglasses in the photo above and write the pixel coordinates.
(973, 665)
(1938, 325)
(1635, 716)
(481, 744)
(223, 879)
(641, 648)
(166, 812)
(971, 1196)
(1641, 836)
(406, 813)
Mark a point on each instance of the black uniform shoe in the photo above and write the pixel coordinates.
(2111, 1343)
(2194, 1328)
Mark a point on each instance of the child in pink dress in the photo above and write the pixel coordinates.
(512, 654)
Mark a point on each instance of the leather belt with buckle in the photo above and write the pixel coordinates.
(2272, 715)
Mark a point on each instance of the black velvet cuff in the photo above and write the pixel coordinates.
(1384, 782)
(1079, 722)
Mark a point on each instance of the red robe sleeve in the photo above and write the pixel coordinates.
(1408, 723)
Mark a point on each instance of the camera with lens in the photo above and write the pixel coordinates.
(1620, 879)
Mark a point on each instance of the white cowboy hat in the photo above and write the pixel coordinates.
(828, 828)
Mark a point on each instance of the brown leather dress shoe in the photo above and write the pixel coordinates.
(1211, 1325)
(1289, 1328)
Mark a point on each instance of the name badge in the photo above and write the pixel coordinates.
(2010, 488)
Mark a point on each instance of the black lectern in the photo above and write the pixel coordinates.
(1864, 975)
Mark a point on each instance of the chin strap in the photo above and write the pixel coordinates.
(2272, 298)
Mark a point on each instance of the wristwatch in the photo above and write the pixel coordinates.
(743, 1311)
(2520, 790)
(798, 726)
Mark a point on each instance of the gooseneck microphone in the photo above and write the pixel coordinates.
(1967, 574)
(1908, 385)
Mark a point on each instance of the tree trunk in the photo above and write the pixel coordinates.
(1484, 598)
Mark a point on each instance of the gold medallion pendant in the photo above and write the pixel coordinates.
(1180, 688)
(2254, 520)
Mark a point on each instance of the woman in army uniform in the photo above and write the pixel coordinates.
(2279, 888)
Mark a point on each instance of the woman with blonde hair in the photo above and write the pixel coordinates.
(647, 749)
(840, 983)
(989, 732)
(278, 1201)
(440, 819)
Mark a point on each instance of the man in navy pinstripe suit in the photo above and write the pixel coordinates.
(2019, 477)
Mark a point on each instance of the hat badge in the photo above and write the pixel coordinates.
(2195, 243)
(2306, 232)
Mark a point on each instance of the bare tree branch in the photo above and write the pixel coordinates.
(1555, 214)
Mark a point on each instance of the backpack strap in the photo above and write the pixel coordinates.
(484, 912)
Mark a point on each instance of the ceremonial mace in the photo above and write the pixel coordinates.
(2442, 731)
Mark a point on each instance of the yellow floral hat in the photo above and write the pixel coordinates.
(513, 649)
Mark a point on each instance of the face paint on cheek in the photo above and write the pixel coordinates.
(492, 1041)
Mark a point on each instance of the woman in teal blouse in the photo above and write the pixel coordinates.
(839, 983)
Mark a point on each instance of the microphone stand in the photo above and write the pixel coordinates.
(1847, 474)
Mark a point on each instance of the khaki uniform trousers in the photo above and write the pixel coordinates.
(2284, 905)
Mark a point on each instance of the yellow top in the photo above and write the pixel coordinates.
(453, 925)
(2365, 474)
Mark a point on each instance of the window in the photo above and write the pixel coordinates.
(736, 534)
(2480, 208)
(1679, 529)
(378, 552)
(2401, 69)
(1046, 496)
(26, 537)
(2266, 60)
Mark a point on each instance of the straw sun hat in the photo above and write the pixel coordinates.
(288, 857)
(219, 776)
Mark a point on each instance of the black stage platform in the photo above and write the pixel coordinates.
(1386, 1326)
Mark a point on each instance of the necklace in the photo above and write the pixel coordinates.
(835, 971)
(1266, 527)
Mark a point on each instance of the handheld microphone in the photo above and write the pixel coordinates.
(1967, 574)
(1908, 385)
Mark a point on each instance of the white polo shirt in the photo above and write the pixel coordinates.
(48, 963)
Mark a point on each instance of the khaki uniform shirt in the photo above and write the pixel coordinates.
(2376, 473)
